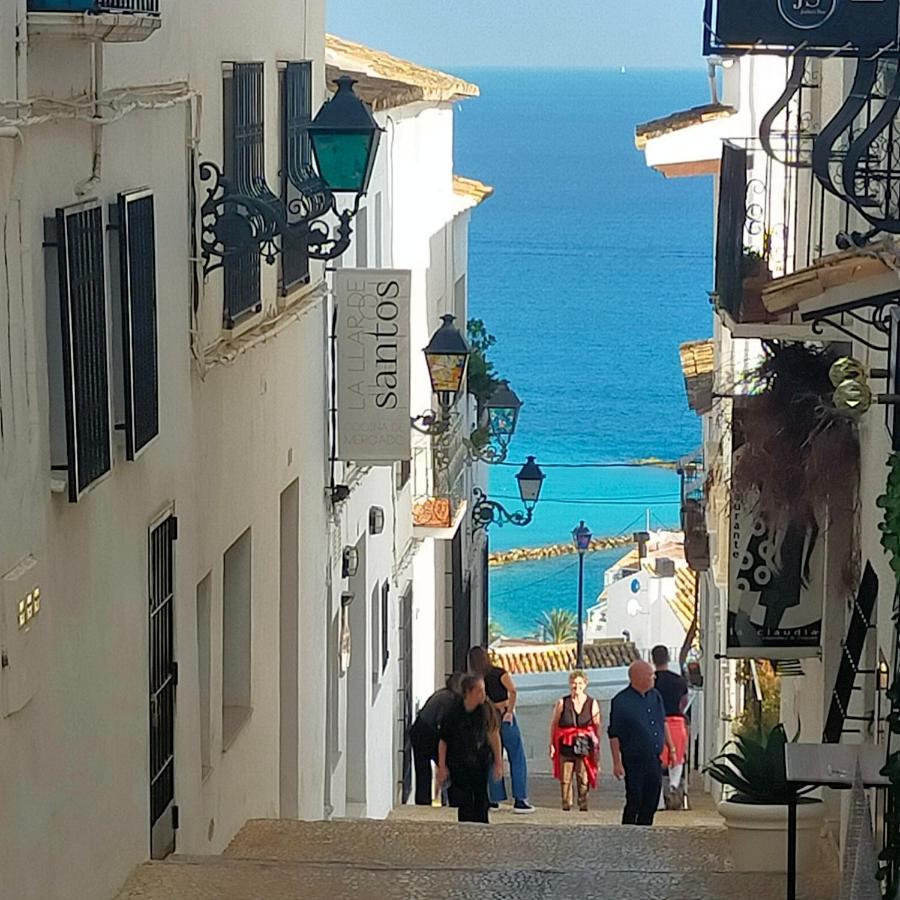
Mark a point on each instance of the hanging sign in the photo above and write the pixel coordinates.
(372, 333)
(776, 584)
(839, 27)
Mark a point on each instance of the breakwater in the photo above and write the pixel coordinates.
(526, 554)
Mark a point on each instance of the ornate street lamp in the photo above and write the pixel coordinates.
(502, 409)
(487, 512)
(344, 137)
(446, 356)
(237, 217)
(581, 537)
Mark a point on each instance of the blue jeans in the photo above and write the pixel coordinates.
(511, 739)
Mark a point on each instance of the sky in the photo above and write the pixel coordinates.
(527, 33)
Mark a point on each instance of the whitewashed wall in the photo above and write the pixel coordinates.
(75, 760)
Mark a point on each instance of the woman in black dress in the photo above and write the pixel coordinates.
(469, 751)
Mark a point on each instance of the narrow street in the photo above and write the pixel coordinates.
(420, 853)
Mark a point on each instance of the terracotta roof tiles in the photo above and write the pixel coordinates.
(526, 660)
(386, 81)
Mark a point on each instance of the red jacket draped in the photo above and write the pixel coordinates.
(566, 737)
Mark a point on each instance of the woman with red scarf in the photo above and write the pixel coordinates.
(575, 741)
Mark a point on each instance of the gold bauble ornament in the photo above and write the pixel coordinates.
(852, 397)
(846, 368)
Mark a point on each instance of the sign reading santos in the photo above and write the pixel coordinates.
(372, 333)
(832, 27)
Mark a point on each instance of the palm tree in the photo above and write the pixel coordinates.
(560, 625)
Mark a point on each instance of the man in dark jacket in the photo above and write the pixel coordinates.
(423, 735)
(637, 735)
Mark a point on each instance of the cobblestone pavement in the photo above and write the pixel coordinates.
(423, 853)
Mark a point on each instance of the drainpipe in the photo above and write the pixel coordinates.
(83, 187)
(711, 64)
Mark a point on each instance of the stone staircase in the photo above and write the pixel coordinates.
(384, 860)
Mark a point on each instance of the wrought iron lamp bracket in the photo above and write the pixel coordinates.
(487, 512)
(309, 212)
(490, 454)
(432, 423)
(232, 223)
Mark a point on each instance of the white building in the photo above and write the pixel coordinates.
(647, 597)
(787, 201)
(425, 571)
(166, 514)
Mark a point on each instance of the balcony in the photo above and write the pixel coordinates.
(775, 219)
(693, 515)
(439, 484)
(111, 21)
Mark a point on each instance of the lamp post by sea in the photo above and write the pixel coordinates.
(581, 537)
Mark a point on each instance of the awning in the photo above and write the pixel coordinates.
(688, 142)
(698, 363)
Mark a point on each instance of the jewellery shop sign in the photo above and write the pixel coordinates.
(372, 333)
(843, 27)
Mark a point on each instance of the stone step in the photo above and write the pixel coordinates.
(411, 845)
(217, 878)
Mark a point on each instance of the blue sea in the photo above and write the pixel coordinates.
(590, 269)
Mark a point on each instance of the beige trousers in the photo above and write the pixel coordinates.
(574, 768)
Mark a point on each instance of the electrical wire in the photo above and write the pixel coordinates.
(531, 584)
(634, 464)
(665, 499)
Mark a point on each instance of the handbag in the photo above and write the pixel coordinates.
(582, 745)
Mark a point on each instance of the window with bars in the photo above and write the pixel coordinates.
(243, 109)
(137, 300)
(296, 158)
(81, 368)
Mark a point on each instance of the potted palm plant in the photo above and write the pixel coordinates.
(752, 768)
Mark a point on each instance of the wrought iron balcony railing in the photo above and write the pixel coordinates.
(142, 7)
(693, 518)
(775, 218)
(438, 479)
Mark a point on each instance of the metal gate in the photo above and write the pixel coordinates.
(405, 697)
(163, 681)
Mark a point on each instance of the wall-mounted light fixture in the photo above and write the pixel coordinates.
(236, 217)
(376, 520)
(486, 512)
(349, 562)
(446, 356)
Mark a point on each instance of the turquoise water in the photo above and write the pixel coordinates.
(590, 269)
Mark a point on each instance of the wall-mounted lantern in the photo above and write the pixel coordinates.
(376, 520)
(446, 356)
(236, 218)
(349, 562)
(487, 512)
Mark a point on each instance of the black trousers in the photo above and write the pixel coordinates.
(424, 742)
(469, 792)
(643, 782)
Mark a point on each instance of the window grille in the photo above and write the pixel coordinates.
(137, 295)
(79, 241)
(296, 157)
(148, 7)
(244, 165)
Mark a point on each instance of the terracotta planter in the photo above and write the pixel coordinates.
(757, 834)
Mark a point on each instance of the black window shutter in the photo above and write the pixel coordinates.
(137, 279)
(296, 157)
(244, 165)
(82, 294)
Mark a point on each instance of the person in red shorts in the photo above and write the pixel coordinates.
(674, 691)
